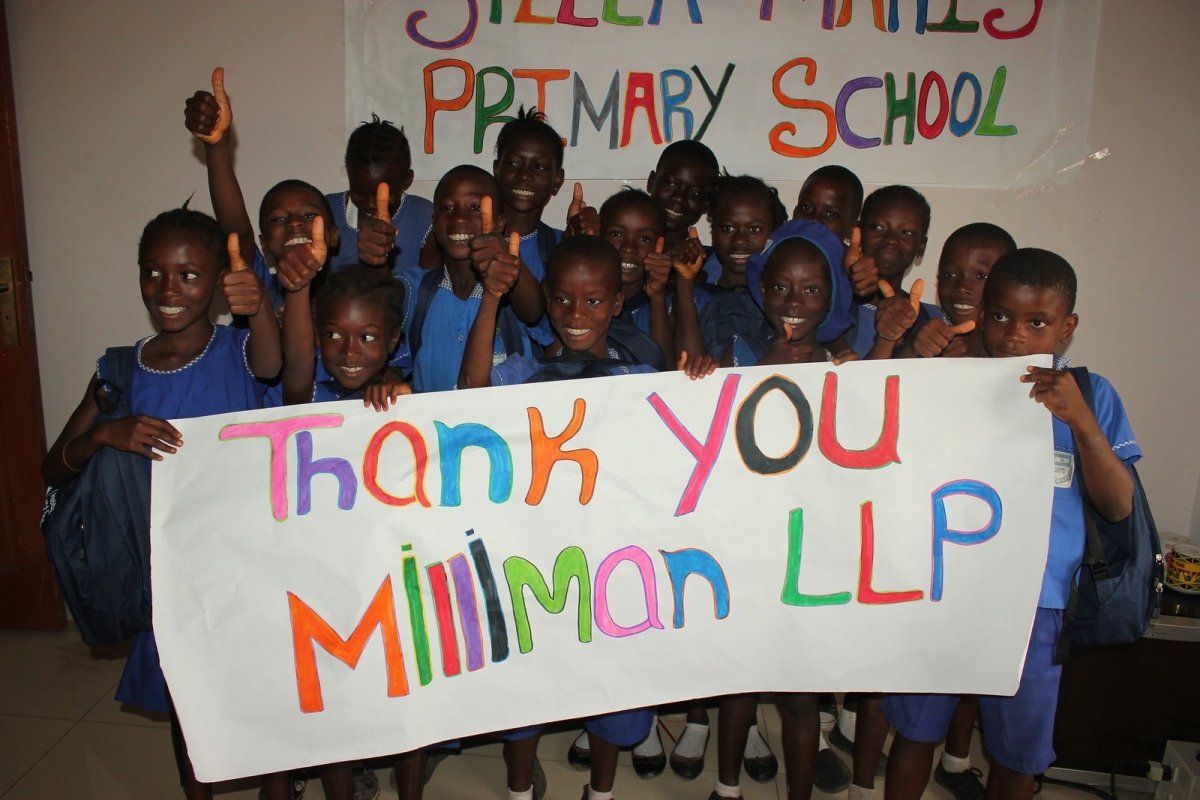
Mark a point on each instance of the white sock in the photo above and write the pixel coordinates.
(846, 723)
(693, 741)
(582, 742)
(727, 791)
(953, 764)
(860, 793)
(596, 795)
(756, 746)
(651, 745)
(525, 795)
(824, 744)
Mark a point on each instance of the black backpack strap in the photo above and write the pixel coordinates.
(113, 390)
(425, 292)
(545, 242)
(512, 332)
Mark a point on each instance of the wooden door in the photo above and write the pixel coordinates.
(28, 594)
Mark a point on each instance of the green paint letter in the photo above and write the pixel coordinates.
(791, 592)
(571, 564)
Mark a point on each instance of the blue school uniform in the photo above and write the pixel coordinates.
(1019, 730)
(535, 252)
(861, 335)
(448, 321)
(217, 381)
(266, 274)
(413, 220)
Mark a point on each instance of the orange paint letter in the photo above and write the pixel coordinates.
(434, 105)
(547, 451)
(308, 627)
(776, 136)
(542, 77)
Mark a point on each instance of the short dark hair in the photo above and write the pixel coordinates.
(190, 221)
(532, 122)
(731, 186)
(470, 170)
(690, 148)
(585, 246)
(630, 197)
(897, 193)
(1031, 266)
(836, 172)
(376, 143)
(360, 282)
(982, 231)
(293, 183)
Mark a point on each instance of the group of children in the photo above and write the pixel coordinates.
(373, 293)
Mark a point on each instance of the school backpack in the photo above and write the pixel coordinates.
(1120, 581)
(97, 527)
(569, 369)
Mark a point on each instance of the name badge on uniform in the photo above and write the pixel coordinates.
(1064, 470)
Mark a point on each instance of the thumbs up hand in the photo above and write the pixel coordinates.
(241, 287)
(582, 218)
(687, 257)
(896, 314)
(208, 115)
(376, 234)
(936, 337)
(301, 263)
(500, 273)
(862, 270)
(657, 267)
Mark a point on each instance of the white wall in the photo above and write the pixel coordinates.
(100, 90)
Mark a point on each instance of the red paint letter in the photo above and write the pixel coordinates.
(639, 93)
(434, 105)
(883, 452)
(777, 132)
(992, 17)
(420, 459)
(308, 627)
(706, 454)
(866, 569)
(930, 130)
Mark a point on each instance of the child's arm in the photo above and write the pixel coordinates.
(893, 318)
(246, 296)
(1109, 484)
(499, 278)
(658, 271)
(525, 294)
(687, 260)
(209, 117)
(296, 271)
(81, 438)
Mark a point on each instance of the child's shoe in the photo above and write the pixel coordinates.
(579, 755)
(298, 787)
(841, 742)
(758, 760)
(831, 774)
(366, 784)
(649, 760)
(965, 785)
(431, 763)
(687, 759)
(827, 708)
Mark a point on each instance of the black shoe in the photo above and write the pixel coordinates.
(539, 779)
(579, 758)
(831, 774)
(838, 739)
(648, 767)
(689, 768)
(761, 768)
(965, 785)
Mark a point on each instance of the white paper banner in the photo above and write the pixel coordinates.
(332, 583)
(977, 93)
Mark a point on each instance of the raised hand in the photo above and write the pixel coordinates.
(862, 271)
(380, 395)
(895, 315)
(657, 266)
(696, 367)
(500, 273)
(376, 235)
(687, 257)
(208, 116)
(935, 337)
(582, 218)
(241, 287)
(301, 263)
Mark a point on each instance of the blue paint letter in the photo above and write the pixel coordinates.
(674, 103)
(941, 533)
(681, 564)
(452, 442)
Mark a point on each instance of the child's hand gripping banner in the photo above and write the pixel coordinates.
(331, 583)
(971, 93)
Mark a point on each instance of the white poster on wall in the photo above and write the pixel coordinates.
(331, 583)
(923, 92)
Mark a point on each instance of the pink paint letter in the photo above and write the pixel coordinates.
(278, 431)
(705, 454)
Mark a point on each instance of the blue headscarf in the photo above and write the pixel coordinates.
(838, 320)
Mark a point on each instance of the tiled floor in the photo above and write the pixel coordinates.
(62, 735)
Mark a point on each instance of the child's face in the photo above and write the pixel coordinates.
(828, 202)
(456, 219)
(633, 230)
(178, 277)
(365, 180)
(894, 235)
(1023, 320)
(962, 274)
(581, 300)
(740, 228)
(287, 222)
(355, 338)
(681, 185)
(796, 289)
(528, 173)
